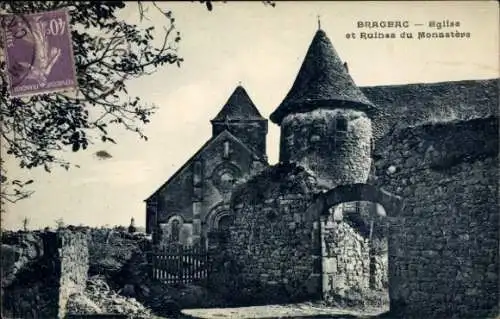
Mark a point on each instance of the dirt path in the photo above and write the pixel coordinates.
(302, 310)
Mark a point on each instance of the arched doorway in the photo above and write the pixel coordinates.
(344, 255)
(224, 223)
(218, 222)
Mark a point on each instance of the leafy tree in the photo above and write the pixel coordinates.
(35, 129)
(108, 51)
(16, 191)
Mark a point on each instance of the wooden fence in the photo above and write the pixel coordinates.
(178, 264)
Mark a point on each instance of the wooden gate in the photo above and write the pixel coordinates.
(180, 264)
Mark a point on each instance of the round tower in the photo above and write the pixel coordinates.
(325, 119)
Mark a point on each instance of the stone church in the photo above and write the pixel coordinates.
(195, 200)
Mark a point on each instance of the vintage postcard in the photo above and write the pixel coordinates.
(264, 159)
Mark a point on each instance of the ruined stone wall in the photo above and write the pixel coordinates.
(345, 262)
(30, 288)
(336, 154)
(74, 259)
(379, 265)
(272, 245)
(443, 248)
(269, 256)
(41, 288)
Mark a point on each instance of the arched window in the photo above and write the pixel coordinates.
(227, 180)
(302, 138)
(175, 231)
(225, 177)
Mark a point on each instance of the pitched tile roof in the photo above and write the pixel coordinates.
(239, 106)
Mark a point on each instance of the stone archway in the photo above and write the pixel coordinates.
(217, 223)
(357, 192)
(335, 277)
(216, 214)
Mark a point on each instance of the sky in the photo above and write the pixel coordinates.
(262, 47)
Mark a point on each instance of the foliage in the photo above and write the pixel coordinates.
(16, 189)
(209, 4)
(36, 130)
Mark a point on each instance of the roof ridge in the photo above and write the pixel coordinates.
(437, 83)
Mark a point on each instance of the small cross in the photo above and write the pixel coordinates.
(239, 83)
(319, 22)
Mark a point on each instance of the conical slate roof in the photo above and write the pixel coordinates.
(239, 106)
(322, 81)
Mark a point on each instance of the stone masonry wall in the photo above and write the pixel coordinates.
(42, 287)
(31, 289)
(443, 248)
(336, 155)
(272, 243)
(345, 262)
(74, 259)
(379, 265)
(271, 255)
(251, 133)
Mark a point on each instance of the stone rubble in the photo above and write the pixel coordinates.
(98, 298)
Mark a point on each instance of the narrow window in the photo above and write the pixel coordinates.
(340, 131)
(197, 172)
(175, 231)
(341, 124)
(226, 149)
(302, 141)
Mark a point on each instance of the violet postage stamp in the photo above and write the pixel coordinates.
(39, 54)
